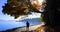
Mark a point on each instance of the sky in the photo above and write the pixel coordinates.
(8, 17)
(2, 16)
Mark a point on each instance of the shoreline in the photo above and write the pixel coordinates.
(14, 29)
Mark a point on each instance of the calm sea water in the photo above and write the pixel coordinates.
(5, 25)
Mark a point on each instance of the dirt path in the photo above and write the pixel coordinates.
(31, 28)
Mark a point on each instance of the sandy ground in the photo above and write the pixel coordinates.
(24, 28)
(31, 28)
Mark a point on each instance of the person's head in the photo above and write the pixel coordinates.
(27, 22)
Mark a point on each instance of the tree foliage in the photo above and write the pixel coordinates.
(19, 7)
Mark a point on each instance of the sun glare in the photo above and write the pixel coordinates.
(40, 1)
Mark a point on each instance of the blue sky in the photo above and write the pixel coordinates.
(8, 17)
(1, 4)
(2, 16)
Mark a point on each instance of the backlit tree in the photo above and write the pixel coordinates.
(21, 7)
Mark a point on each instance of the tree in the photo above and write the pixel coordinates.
(16, 8)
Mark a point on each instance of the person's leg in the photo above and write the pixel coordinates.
(27, 29)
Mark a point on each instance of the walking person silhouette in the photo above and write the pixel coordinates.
(27, 26)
